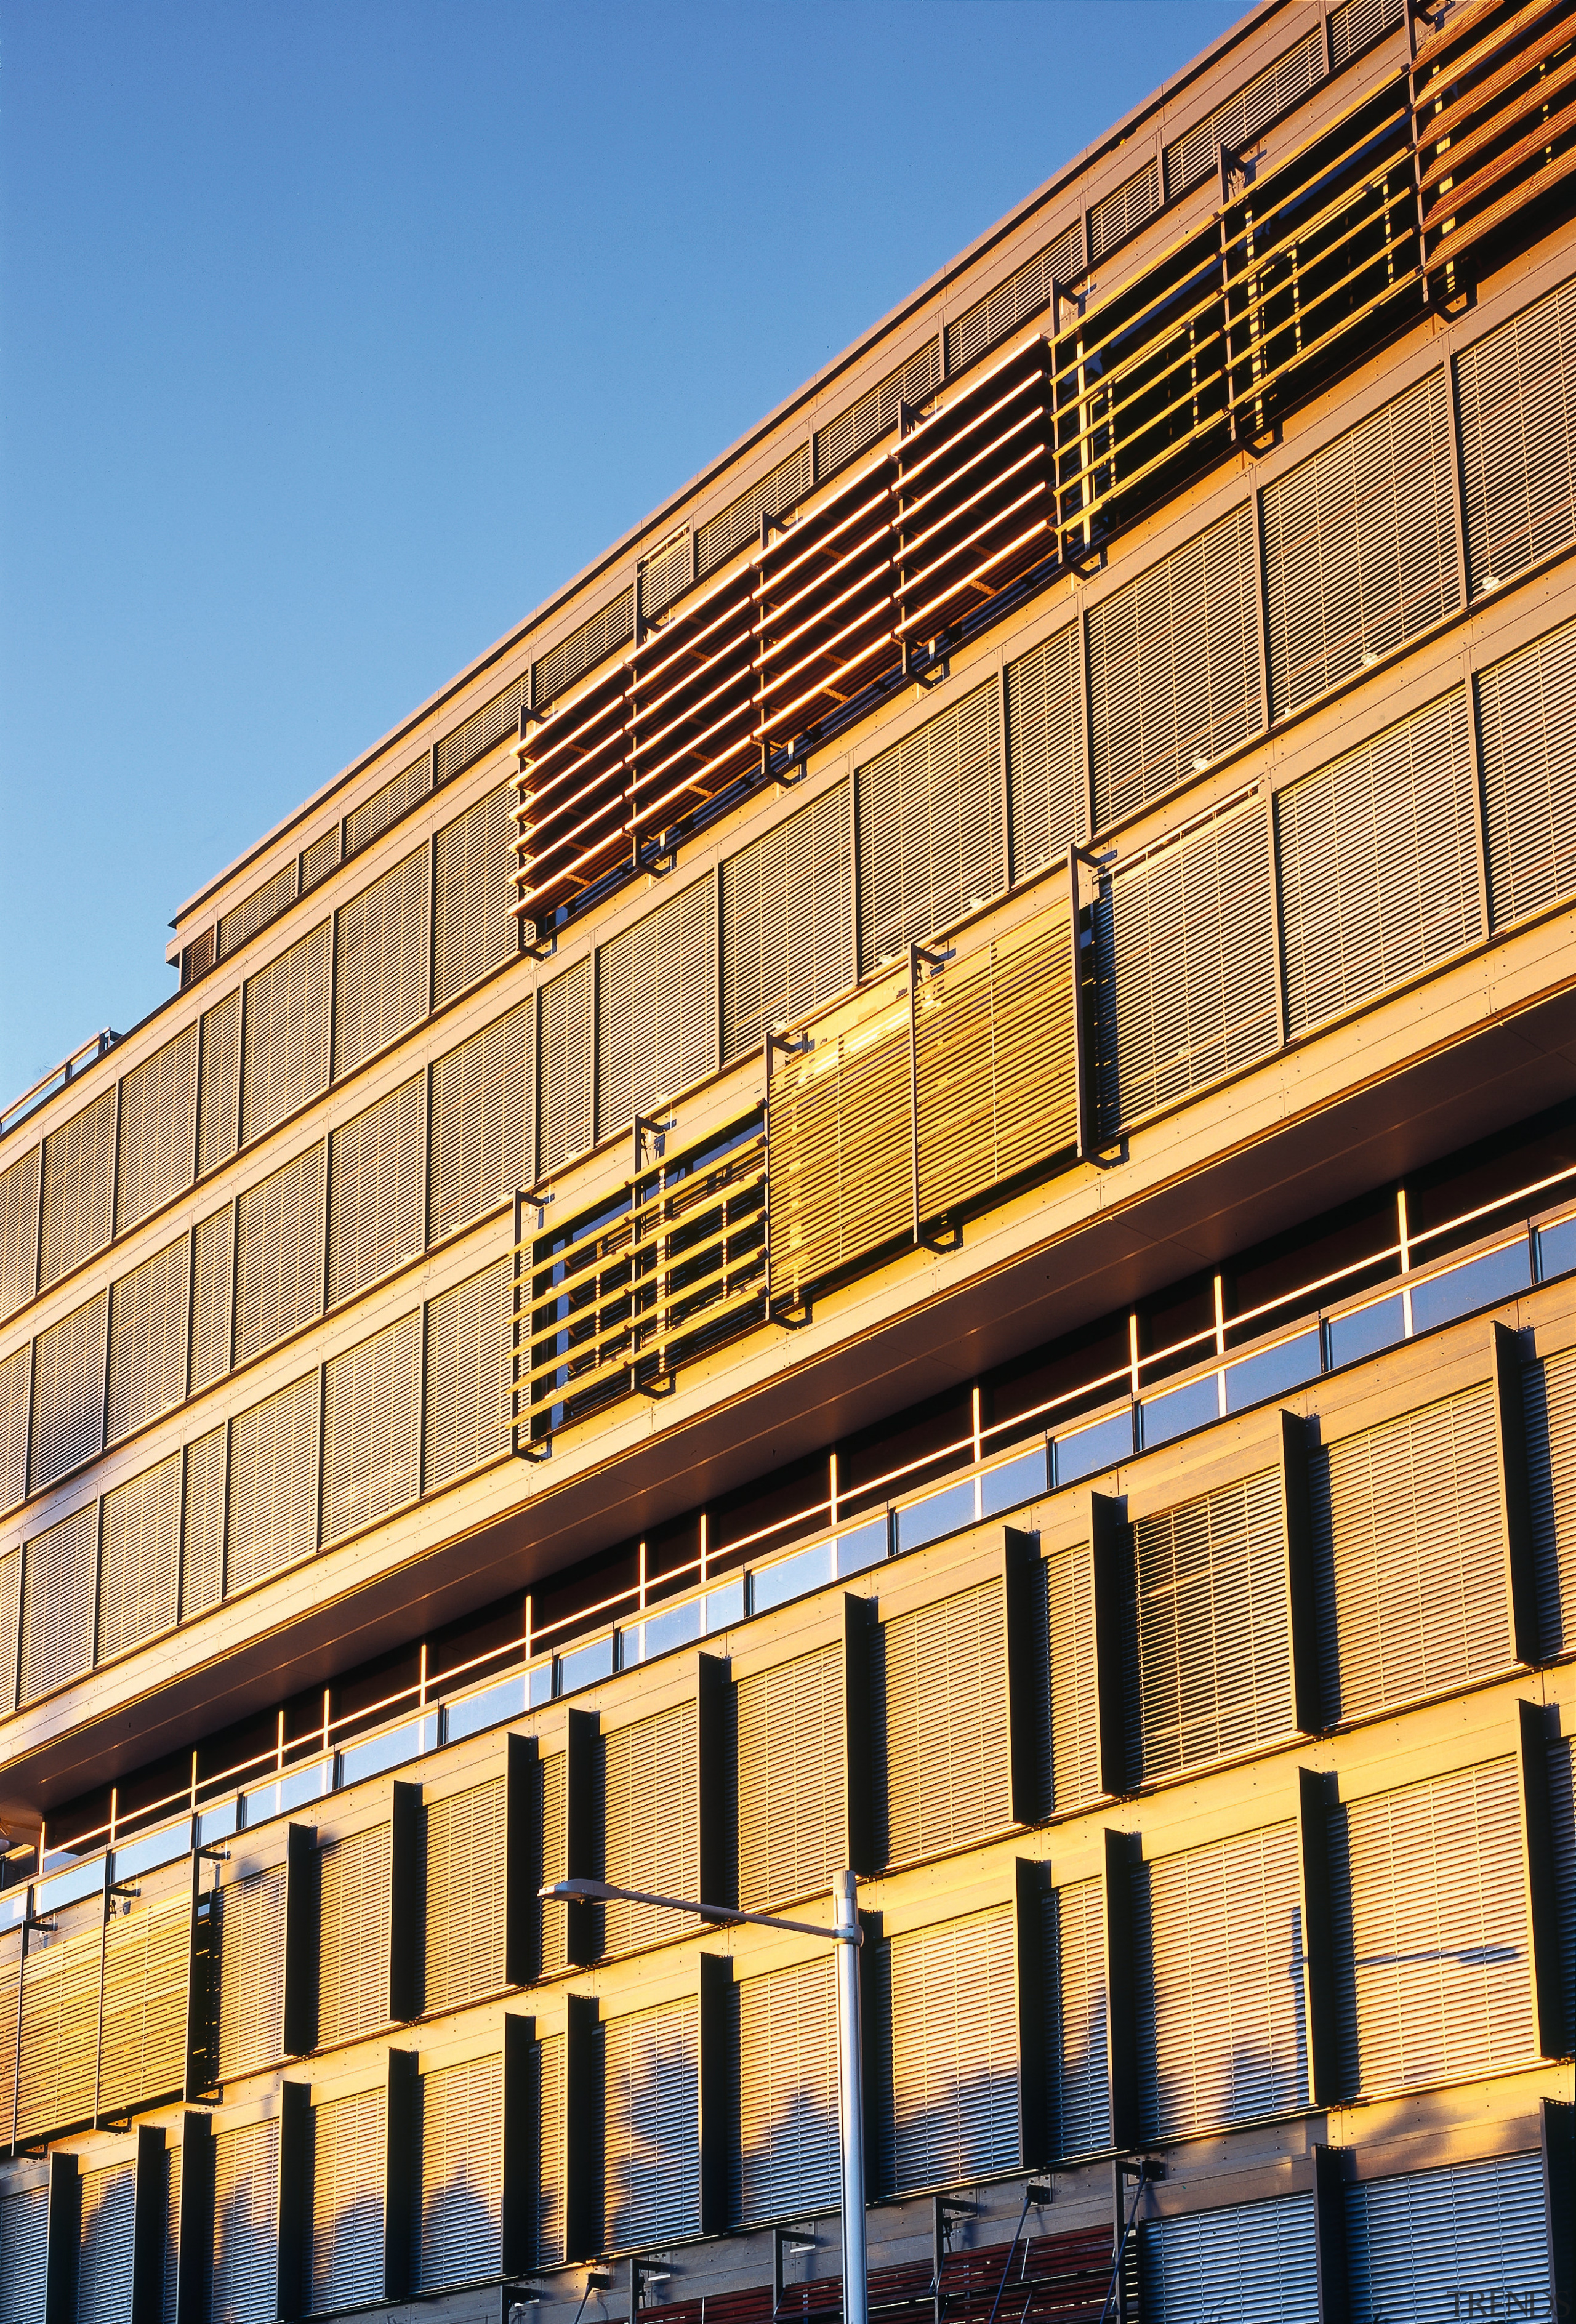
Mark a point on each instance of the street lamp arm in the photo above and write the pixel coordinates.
(598, 1892)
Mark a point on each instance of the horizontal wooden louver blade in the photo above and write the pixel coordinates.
(840, 1152)
(245, 2276)
(474, 894)
(466, 1836)
(655, 1007)
(219, 1084)
(147, 1339)
(154, 1144)
(1516, 392)
(16, 1402)
(108, 2207)
(1025, 293)
(793, 1833)
(263, 904)
(1077, 2016)
(68, 1393)
(397, 796)
(381, 962)
(371, 1428)
(213, 1276)
(951, 2047)
(56, 1603)
(202, 1571)
(651, 1778)
(376, 1170)
(460, 2224)
(1044, 751)
(1245, 2257)
(483, 1104)
(468, 1385)
(786, 935)
(650, 2089)
(1412, 2238)
(140, 1559)
(18, 1233)
(788, 2094)
(279, 1235)
(78, 1189)
(146, 1973)
(930, 838)
(250, 2011)
(940, 1717)
(273, 1484)
(353, 1942)
(1527, 726)
(58, 2061)
(285, 1044)
(567, 1087)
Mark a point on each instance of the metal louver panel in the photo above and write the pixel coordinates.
(1077, 2017)
(483, 1107)
(1245, 116)
(56, 1603)
(939, 1701)
(566, 1080)
(650, 2092)
(154, 1142)
(1516, 391)
(788, 2094)
(1222, 2030)
(174, 2166)
(465, 1839)
(213, 1273)
(1526, 730)
(397, 796)
(10, 1992)
(273, 1484)
(57, 2055)
(552, 2150)
(1122, 213)
(285, 1045)
(1562, 1779)
(16, 1395)
(1212, 1626)
(1358, 25)
(246, 2253)
(1430, 1925)
(371, 1428)
(18, 1233)
(251, 1973)
(663, 574)
(474, 894)
(738, 526)
(951, 2107)
(380, 962)
(930, 836)
(876, 412)
(354, 1939)
(376, 1165)
(593, 641)
(147, 1339)
(1184, 958)
(1413, 2242)
(839, 1153)
(655, 1007)
(1074, 1679)
(1549, 1390)
(266, 904)
(650, 1799)
(108, 2199)
(1410, 1557)
(1359, 547)
(1377, 860)
(787, 939)
(348, 2177)
(78, 1189)
(1174, 668)
(68, 1393)
(218, 1100)
(202, 1565)
(468, 1385)
(278, 1273)
(1024, 292)
(139, 1563)
(1253, 2259)
(1045, 751)
(792, 1757)
(10, 1612)
(553, 1799)
(460, 2231)
(465, 744)
(147, 1960)
(24, 2220)
(320, 858)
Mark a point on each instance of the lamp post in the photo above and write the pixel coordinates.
(847, 1936)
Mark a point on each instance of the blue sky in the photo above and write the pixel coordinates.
(333, 336)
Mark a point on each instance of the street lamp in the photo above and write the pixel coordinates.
(847, 1936)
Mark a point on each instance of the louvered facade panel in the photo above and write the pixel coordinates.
(245, 2275)
(18, 1233)
(1359, 547)
(218, 1088)
(10, 1990)
(68, 1393)
(1549, 1390)
(940, 1704)
(655, 1007)
(1562, 1775)
(16, 1395)
(353, 1942)
(552, 2212)
(474, 926)
(1526, 730)
(1516, 391)
(1245, 116)
(371, 1428)
(1077, 2000)
(467, 1376)
(249, 2011)
(1121, 214)
(147, 1339)
(138, 1558)
(1252, 2259)
(1377, 862)
(349, 2182)
(876, 412)
(553, 1805)
(995, 1064)
(155, 1142)
(950, 2106)
(1185, 958)
(320, 858)
(285, 1038)
(664, 573)
(793, 1810)
(1212, 1628)
(593, 641)
(483, 1107)
(202, 1565)
(382, 810)
(266, 904)
(380, 962)
(9, 1610)
(1433, 1977)
(1411, 1569)
(459, 2236)
(57, 2055)
(787, 927)
(567, 1085)
(931, 844)
(147, 1960)
(108, 2200)
(738, 526)
(1358, 25)
(787, 2093)
(174, 2166)
(1044, 751)
(465, 744)
(272, 1501)
(213, 1273)
(1174, 668)
(278, 1271)
(78, 1189)
(840, 1151)
(1025, 291)
(1416, 2245)
(650, 1799)
(650, 2095)
(24, 2220)
(1074, 1679)
(56, 1603)
(376, 1166)
(465, 1840)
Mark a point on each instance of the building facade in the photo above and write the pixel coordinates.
(899, 1191)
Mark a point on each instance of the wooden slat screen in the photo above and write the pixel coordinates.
(467, 1375)
(202, 1575)
(655, 1007)
(18, 1233)
(24, 2220)
(788, 931)
(245, 2274)
(109, 2201)
(787, 2093)
(793, 1809)
(567, 1086)
(874, 414)
(155, 1141)
(1045, 751)
(466, 1837)
(1184, 956)
(16, 1395)
(1413, 2239)
(1527, 727)
(651, 2094)
(464, 745)
(213, 1274)
(738, 526)
(483, 1110)
(1122, 213)
(383, 809)
(371, 1428)
(1076, 1987)
(1410, 1557)
(459, 2236)
(376, 1195)
(552, 2206)
(380, 962)
(78, 1189)
(474, 926)
(553, 1828)
(57, 2057)
(355, 1904)
(840, 1152)
(68, 1393)
(931, 845)
(1431, 1946)
(1026, 290)
(56, 1603)
(1174, 668)
(651, 1800)
(1359, 547)
(939, 1719)
(950, 2100)
(1377, 860)
(1244, 116)
(278, 1271)
(1549, 1393)
(147, 1962)
(139, 1565)
(218, 1101)
(272, 1511)
(1074, 1677)
(1516, 391)
(147, 1339)
(10, 1612)
(1258, 2259)
(263, 904)
(1211, 1628)
(285, 1038)
(251, 1973)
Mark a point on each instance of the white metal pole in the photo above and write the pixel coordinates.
(851, 2099)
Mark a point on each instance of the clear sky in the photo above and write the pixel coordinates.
(334, 335)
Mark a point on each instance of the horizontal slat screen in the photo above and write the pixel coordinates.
(380, 962)
(788, 930)
(392, 799)
(18, 1231)
(1258, 2259)
(56, 1603)
(1077, 1999)
(459, 2233)
(474, 926)
(245, 2272)
(484, 727)
(285, 1037)
(839, 1154)
(139, 1577)
(1526, 728)
(1025, 291)
(467, 1386)
(1516, 392)
(273, 1484)
(278, 1273)
(738, 526)
(376, 1170)
(1073, 1678)
(787, 2093)
(650, 2095)
(213, 1273)
(58, 2053)
(147, 1959)
(875, 413)
(940, 1718)
(353, 1947)
(250, 2011)
(1245, 115)
(792, 1757)
(220, 1083)
(567, 1086)
(930, 827)
(650, 1795)
(465, 1840)
(147, 1339)
(483, 1107)
(655, 1007)
(1044, 751)
(15, 1395)
(78, 1189)
(154, 1143)
(1413, 2241)
(950, 2106)
(202, 1580)
(68, 1393)
(371, 1428)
